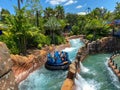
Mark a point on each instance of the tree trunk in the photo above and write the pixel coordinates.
(22, 45)
(19, 4)
(94, 35)
(53, 37)
(19, 44)
(37, 18)
(113, 31)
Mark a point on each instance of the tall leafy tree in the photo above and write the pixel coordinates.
(35, 8)
(96, 28)
(19, 1)
(19, 26)
(82, 20)
(117, 11)
(53, 25)
(108, 16)
(49, 12)
(4, 13)
(98, 13)
(71, 18)
(59, 12)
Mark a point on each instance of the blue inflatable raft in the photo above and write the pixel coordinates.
(60, 61)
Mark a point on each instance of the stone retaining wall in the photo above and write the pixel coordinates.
(106, 44)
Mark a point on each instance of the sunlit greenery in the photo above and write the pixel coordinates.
(33, 27)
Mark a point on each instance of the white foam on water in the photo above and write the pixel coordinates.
(114, 78)
(68, 49)
(107, 58)
(78, 85)
(76, 43)
(82, 84)
(83, 68)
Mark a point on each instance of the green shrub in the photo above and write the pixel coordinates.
(11, 44)
(41, 39)
(59, 40)
(90, 37)
(38, 40)
(39, 46)
(48, 40)
(75, 30)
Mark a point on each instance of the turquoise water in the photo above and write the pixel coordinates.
(43, 79)
(99, 76)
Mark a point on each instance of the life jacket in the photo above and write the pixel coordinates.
(57, 58)
(50, 59)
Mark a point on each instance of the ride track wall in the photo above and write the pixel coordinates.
(104, 45)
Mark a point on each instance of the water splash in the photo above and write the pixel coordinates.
(107, 58)
(68, 49)
(76, 43)
(83, 69)
(113, 77)
(82, 84)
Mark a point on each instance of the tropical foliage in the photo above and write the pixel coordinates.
(33, 27)
(52, 24)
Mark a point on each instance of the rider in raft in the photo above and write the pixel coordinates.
(58, 57)
(50, 60)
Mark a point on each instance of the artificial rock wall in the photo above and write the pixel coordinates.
(106, 44)
(7, 80)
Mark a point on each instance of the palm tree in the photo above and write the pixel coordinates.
(49, 12)
(35, 8)
(19, 3)
(71, 18)
(52, 24)
(98, 13)
(59, 12)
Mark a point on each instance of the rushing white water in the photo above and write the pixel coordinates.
(75, 45)
(99, 76)
(113, 77)
(82, 84)
(43, 79)
(68, 49)
(83, 69)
